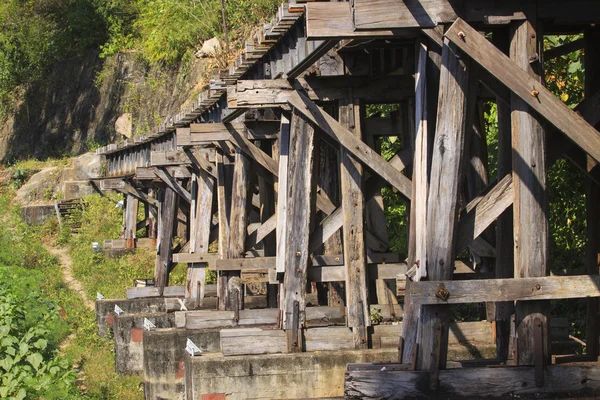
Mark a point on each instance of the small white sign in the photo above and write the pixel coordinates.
(148, 324)
(118, 310)
(99, 296)
(182, 305)
(191, 348)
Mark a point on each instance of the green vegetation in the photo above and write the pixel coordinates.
(34, 34)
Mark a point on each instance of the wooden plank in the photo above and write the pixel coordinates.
(504, 267)
(523, 85)
(132, 190)
(282, 193)
(167, 213)
(521, 289)
(444, 196)
(531, 229)
(385, 14)
(153, 291)
(500, 382)
(417, 246)
(482, 211)
(266, 228)
(329, 20)
(148, 173)
(592, 194)
(223, 208)
(353, 204)
(176, 157)
(130, 217)
(298, 215)
(252, 341)
(328, 226)
(200, 224)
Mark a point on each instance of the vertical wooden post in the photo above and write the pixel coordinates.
(266, 193)
(530, 196)
(240, 200)
(200, 220)
(353, 205)
(131, 211)
(443, 201)
(329, 182)
(504, 225)
(152, 219)
(299, 211)
(164, 256)
(417, 246)
(224, 215)
(592, 195)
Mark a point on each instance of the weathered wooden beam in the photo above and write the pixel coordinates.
(353, 205)
(500, 382)
(282, 194)
(531, 230)
(172, 183)
(443, 200)
(167, 214)
(224, 214)
(326, 228)
(200, 223)
(504, 267)
(516, 289)
(298, 215)
(329, 20)
(530, 90)
(176, 157)
(592, 192)
(130, 218)
(482, 211)
(149, 173)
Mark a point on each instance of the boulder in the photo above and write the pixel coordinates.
(210, 48)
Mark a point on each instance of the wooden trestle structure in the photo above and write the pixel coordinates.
(278, 163)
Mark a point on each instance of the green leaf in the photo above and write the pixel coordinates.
(21, 394)
(41, 344)
(23, 348)
(11, 351)
(35, 360)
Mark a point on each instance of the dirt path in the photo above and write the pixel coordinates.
(66, 265)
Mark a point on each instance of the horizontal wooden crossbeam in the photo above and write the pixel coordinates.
(498, 382)
(495, 290)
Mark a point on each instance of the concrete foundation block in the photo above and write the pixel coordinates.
(105, 310)
(164, 359)
(129, 337)
(275, 376)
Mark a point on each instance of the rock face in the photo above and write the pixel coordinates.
(88, 101)
(68, 183)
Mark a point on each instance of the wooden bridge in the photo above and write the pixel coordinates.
(279, 168)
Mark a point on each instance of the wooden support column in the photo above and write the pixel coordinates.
(329, 182)
(592, 195)
(224, 213)
(167, 213)
(240, 202)
(266, 193)
(417, 246)
(152, 222)
(131, 211)
(530, 195)
(443, 202)
(504, 224)
(200, 222)
(353, 206)
(299, 210)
